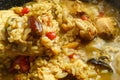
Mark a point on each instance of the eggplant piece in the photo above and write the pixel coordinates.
(69, 77)
(100, 63)
(35, 26)
(6, 4)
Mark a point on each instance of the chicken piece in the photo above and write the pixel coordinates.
(4, 15)
(106, 27)
(87, 29)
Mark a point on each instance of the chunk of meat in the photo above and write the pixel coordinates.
(21, 64)
(106, 27)
(87, 29)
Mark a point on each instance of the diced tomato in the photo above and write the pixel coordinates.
(101, 14)
(51, 35)
(22, 62)
(71, 56)
(84, 17)
(25, 10)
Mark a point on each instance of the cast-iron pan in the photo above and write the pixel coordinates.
(115, 3)
(6, 4)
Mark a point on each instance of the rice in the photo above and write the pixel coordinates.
(51, 58)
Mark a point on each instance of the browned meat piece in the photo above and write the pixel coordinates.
(87, 29)
(106, 27)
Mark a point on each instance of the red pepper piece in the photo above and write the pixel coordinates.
(84, 17)
(101, 14)
(71, 56)
(51, 35)
(25, 10)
